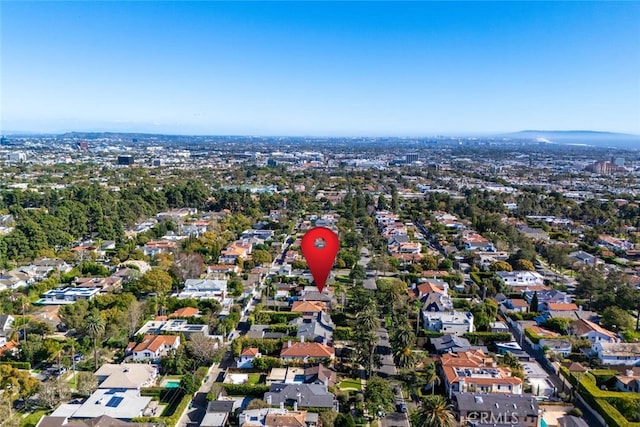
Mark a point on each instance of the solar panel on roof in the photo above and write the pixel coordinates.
(114, 401)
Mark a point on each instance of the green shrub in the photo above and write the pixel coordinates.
(18, 365)
(342, 333)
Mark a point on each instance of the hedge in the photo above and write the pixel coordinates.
(533, 337)
(598, 398)
(18, 365)
(169, 421)
(342, 333)
(257, 390)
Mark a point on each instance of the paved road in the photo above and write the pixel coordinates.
(396, 418)
(388, 368)
(193, 415)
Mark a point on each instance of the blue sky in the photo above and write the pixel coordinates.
(326, 68)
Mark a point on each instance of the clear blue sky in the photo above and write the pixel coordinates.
(327, 68)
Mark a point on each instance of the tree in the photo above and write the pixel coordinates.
(616, 319)
(261, 257)
(523, 264)
(357, 273)
(53, 392)
(16, 383)
(533, 307)
(431, 377)
(94, 326)
(344, 420)
(501, 266)
(155, 280)
(378, 396)
(434, 412)
(202, 349)
(134, 314)
(86, 383)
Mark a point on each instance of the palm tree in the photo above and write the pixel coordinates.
(434, 411)
(431, 377)
(94, 325)
(404, 358)
(403, 337)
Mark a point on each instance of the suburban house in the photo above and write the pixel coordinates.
(126, 375)
(616, 353)
(318, 328)
(320, 374)
(558, 346)
(301, 396)
(474, 242)
(489, 409)
(236, 251)
(304, 350)
(156, 247)
(67, 295)
(153, 347)
(629, 381)
(185, 312)
(595, 333)
(473, 371)
(450, 343)
(217, 414)
(514, 304)
(308, 308)
(117, 397)
(204, 289)
(6, 324)
(271, 417)
(585, 258)
(520, 278)
(454, 322)
(245, 361)
(163, 325)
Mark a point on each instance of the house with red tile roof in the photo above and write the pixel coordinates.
(245, 361)
(153, 347)
(308, 308)
(303, 350)
(185, 312)
(473, 371)
(560, 306)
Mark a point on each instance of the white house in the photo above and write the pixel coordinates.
(595, 333)
(153, 347)
(521, 278)
(453, 322)
(627, 354)
(558, 346)
(245, 361)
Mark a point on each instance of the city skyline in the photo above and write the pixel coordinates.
(330, 69)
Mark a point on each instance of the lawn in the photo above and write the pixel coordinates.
(32, 419)
(254, 379)
(350, 384)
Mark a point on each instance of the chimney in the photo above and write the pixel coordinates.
(326, 381)
(302, 338)
(579, 308)
(289, 344)
(282, 405)
(295, 406)
(268, 399)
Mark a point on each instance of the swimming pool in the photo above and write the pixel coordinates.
(543, 423)
(172, 384)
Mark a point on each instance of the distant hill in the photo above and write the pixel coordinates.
(587, 137)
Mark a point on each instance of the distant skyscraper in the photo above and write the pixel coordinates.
(411, 158)
(126, 160)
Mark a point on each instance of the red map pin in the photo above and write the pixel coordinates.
(320, 247)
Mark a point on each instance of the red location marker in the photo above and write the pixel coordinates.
(320, 247)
